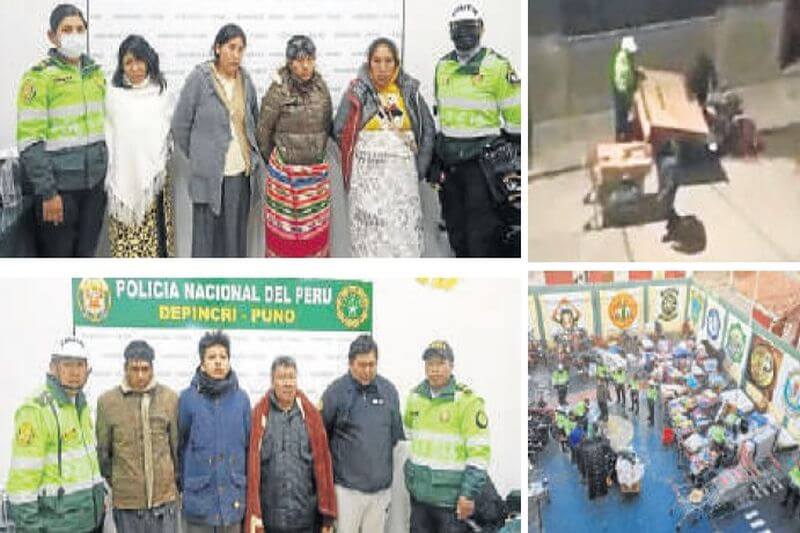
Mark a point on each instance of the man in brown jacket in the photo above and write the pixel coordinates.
(137, 438)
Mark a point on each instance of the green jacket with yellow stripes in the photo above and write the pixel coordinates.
(61, 124)
(475, 101)
(449, 451)
(54, 484)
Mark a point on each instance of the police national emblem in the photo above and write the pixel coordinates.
(352, 306)
(94, 299)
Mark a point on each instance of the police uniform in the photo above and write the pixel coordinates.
(619, 378)
(54, 483)
(633, 383)
(475, 101)
(623, 85)
(793, 487)
(448, 456)
(61, 140)
(560, 380)
(651, 394)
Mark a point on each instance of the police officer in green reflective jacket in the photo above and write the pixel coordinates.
(477, 103)
(449, 448)
(54, 483)
(61, 140)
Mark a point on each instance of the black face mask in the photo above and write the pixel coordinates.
(466, 35)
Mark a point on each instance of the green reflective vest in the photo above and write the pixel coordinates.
(449, 444)
(732, 419)
(474, 102)
(561, 420)
(579, 410)
(717, 433)
(652, 392)
(602, 371)
(54, 488)
(569, 425)
(794, 475)
(60, 116)
(623, 73)
(619, 377)
(559, 377)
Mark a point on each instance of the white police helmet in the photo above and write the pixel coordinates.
(629, 44)
(463, 11)
(71, 347)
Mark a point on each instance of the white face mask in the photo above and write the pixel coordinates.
(73, 45)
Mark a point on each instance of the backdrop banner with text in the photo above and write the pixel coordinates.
(312, 320)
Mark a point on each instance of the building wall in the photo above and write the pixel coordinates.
(570, 75)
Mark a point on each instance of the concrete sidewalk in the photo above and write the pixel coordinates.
(750, 214)
(562, 144)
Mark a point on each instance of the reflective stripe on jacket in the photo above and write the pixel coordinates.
(475, 102)
(450, 449)
(54, 482)
(61, 125)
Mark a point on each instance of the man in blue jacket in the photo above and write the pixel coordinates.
(361, 413)
(213, 436)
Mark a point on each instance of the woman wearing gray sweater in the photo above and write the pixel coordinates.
(214, 126)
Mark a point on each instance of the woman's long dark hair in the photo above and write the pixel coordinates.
(141, 50)
(388, 43)
(227, 33)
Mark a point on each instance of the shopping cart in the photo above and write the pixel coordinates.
(690, 507)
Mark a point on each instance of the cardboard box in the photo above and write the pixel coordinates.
(664, 109)
(610, 162)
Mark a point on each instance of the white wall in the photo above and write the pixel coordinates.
(427, 39)
(478, 317)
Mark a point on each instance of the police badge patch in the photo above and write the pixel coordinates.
(28, 92)
(25, 434)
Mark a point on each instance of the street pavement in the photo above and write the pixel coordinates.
(746, 210)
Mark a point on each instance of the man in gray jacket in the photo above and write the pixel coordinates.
(137, 437)
(361, 412)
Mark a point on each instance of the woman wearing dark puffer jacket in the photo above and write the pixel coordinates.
(293, 131)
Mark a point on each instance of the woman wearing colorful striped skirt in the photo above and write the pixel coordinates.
(293, 132)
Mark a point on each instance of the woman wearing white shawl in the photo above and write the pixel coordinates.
(138, 115)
